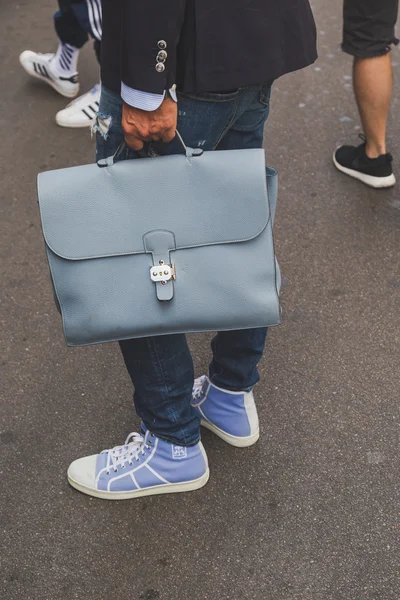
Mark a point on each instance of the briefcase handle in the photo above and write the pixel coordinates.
(111, 160)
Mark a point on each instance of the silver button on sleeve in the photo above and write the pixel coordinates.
(162, 44)
(160, 67)
(162, 56)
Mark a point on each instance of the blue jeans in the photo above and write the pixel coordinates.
(161, 368)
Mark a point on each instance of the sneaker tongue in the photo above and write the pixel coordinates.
(205, 386)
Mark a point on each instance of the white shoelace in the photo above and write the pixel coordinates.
(198, 387)
(134, 445)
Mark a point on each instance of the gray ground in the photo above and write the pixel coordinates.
(310, 512)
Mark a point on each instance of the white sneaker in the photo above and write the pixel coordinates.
(39, 66)
(82, 111)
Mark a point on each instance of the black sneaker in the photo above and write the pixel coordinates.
(375, 172)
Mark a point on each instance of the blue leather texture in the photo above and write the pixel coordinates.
(209, 215)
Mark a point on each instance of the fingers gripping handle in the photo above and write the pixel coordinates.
(111, 160)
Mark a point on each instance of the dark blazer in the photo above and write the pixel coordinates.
(204, 45)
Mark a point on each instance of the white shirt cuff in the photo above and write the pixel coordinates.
(144, 100)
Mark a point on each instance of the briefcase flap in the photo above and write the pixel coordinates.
(216, 198)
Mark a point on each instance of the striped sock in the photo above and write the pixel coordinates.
(65, 61)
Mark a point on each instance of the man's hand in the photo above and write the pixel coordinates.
(145, 126)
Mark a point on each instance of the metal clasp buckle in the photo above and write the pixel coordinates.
(162, 273)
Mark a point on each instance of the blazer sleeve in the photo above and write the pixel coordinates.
(149, 37)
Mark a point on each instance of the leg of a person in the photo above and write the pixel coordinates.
(372, 79)
(161, 370)
(95, 26)
(94, 16)
(368, 32)
(236, 354)
(108, 125)
(67, 25)
(161, 367)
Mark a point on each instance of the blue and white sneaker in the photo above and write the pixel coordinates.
(143, 466)
(232, 416)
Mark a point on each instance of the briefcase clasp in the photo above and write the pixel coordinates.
(162, 273)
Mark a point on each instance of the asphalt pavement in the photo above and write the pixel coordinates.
(311, 511)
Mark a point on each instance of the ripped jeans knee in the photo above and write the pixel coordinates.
(108, 124)
(102, 125)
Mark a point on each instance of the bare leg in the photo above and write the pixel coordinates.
(373, 90)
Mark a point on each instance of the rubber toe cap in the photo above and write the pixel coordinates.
(83, 471)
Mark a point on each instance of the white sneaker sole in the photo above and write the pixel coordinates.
(50, 82)
(171, 488)
(233, 440)
(375, 182)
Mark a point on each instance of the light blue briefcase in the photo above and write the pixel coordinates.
(154, 246)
